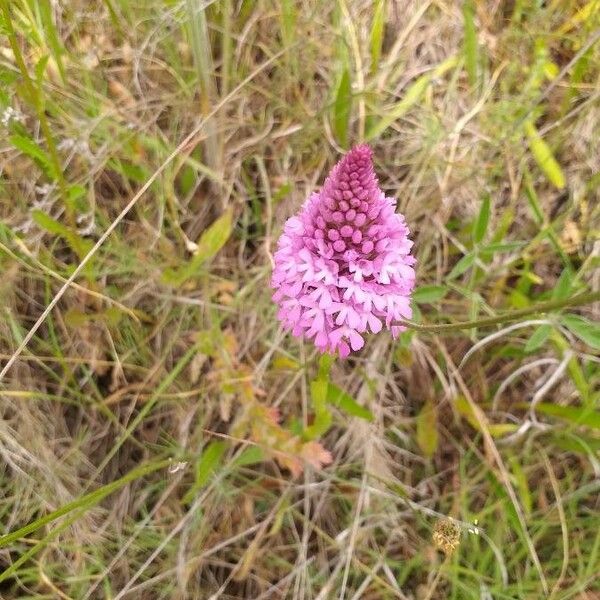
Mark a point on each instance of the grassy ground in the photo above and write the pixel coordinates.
(159, 438)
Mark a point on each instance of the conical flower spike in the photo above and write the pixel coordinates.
(343, 264)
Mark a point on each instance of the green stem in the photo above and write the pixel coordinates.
(38, 102)
(542, 307)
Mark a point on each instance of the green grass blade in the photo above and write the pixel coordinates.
(85, 502)
(470, 47)
(376, 35)
(413, 95)
(342, 108)
(543, 157)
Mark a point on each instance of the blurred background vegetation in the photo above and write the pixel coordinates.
(161, 437)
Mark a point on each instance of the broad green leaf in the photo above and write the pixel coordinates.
(464, 264)
(282, 192)
(318, 392)
(563, 286)
(573, 414)
(585, 330)
(376, 37)
(428, 294)
(31, 149)
(543, 157)
(252, 455)
(76, 198)
(79, 245)
(209, 462)
(325, 362)
(323, 418)
(481, 223)
(215, 237)
(129, 170)
(498, 430)
(538, 338)
(341, 108)
(347, 403)
(211, 241)
(470, 47)
(495, 429)
(413, 95)
(427, 431)
(76, 318)
(320, 425)
(285, 363)
(577, 443)
(507, 218)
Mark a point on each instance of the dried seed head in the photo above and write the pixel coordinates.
(446, 536)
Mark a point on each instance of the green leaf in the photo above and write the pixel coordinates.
(83, 502)
(252, 455)
(282, 192)
(341, 108)
(481, 223)
(538, 338)
(47, 14)
(76, 198)
(427, 432)
(347, 403)
(577, 443)
(129, 170)
(462, 265)
(288, 21)
(40, 68)
(491, 249)
(563, 286)
(585, 330)
(323, 417)
(318, 392)
(208, 463)
(428, 294)
(413, 95)
(534, 201)
(211, 241)
(79, 245)
(573, 414)
(470, 47)
(31, 149)
(325, 362)
(495, 429)
(376, 37)
(521, 480)
(215, 237)
(543, 157)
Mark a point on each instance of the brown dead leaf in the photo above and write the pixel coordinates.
(571, 237)
(314, 454)
(120, 94)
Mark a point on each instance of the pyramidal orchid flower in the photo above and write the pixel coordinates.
(343, 264)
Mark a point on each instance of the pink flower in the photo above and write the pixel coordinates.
(343, 264)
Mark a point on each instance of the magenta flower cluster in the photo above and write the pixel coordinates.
(343, 264)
